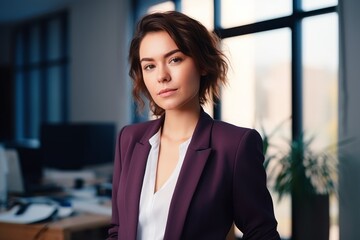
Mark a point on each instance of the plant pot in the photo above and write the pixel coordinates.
(310, 216)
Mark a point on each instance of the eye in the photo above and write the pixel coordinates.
(175, 60)
(149, 67)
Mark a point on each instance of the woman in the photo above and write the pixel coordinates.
(184, 175)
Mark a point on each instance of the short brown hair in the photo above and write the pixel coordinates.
(194, 40)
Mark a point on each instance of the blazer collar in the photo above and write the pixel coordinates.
(155, 125)
(202, 132)
(136, 176)
(194, 163)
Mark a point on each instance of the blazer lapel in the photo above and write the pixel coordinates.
(136, 176)
(194, 162)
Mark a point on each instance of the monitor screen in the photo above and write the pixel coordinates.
(77, 145)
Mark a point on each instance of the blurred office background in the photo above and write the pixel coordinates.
(293, 63)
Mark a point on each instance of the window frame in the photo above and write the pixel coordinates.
(23, 113)
(293, 22)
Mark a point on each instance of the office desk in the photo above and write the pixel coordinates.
(79, 227)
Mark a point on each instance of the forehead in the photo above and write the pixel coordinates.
(156, 44)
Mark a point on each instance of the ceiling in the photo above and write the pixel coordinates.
(17, 10)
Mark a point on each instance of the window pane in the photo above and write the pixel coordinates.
(54, 40)
(34, 44)
(308, 5)
(55, 89)
(162, 7)
(259, 78)
(201, 10)
(240, 12)
(259, 93)
(320, 71)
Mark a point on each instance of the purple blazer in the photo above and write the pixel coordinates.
(222, 181)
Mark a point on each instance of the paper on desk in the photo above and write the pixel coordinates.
(90, 207)
(34, 213)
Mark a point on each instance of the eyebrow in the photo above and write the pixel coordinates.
(165, 55)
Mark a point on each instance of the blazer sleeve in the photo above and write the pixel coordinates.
(253, 207)
(114, 225)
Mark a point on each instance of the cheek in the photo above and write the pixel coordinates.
(149, 86)
(194, 80)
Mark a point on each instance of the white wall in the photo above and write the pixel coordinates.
(349, 119)
(99, 36)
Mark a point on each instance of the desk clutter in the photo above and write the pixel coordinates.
(26, 210)
(48, 194)
(58, 186)
(70, 214)
(77, 226)
(32, 213)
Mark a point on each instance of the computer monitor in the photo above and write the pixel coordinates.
(74, 146)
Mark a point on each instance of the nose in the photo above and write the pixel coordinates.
(163, 74)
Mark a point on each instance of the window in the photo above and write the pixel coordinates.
(240, 12)
(41, 74)
(320, 77)
(284, 68)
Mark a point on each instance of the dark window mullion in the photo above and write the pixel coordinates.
(255, 27)
(177, 5)
(296, 84)
(217, 24)
(271, 24)
(299, 13)
(296, 72)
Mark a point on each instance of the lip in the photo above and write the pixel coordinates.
(167, 92)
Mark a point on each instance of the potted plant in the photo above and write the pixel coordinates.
(310, 178)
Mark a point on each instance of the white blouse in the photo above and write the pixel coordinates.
(154, 207)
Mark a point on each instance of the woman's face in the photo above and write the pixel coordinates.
(171, 77)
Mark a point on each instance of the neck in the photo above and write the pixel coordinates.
(180, 125)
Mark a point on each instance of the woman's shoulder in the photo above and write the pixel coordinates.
(232, 130)
(139, 127)
(226, 126)
(141, 130)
